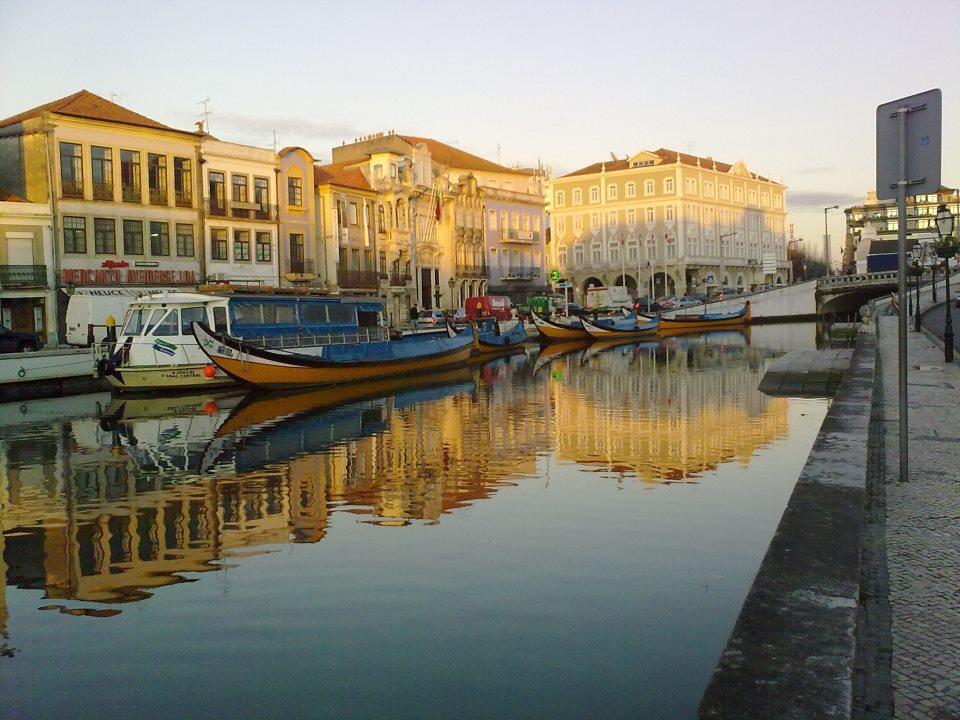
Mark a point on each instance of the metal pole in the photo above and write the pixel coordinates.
(916, 318)
(826, 241)
(933, 272)
(948, 323)
(902, 290)
(910, 291)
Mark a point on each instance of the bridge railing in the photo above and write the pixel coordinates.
(843, 281)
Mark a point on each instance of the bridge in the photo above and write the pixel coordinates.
(809, 300)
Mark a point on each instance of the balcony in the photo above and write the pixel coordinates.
(72, 188)
(130, 193)
(158, 196)
(183, 198)
(400, 279)
(265, 212)
(23, 276)
(521, 236)
(520, 273)
(102, 191)
(216, 207)
(357, 278)
(473, 271)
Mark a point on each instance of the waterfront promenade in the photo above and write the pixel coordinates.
(923, 528)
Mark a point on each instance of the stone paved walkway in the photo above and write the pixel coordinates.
(923, 529)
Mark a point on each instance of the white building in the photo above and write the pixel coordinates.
(240, 204)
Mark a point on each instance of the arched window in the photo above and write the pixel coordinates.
(381, 219)
(611, 192)
(561, 197)
(668, 185)
(648, 187)
(594, 194)
(578, 197)
(631, 189)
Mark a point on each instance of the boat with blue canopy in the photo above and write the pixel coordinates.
(491, 338)
(705, 321)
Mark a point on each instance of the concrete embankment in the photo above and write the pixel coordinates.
(806, 373)
(793, 650)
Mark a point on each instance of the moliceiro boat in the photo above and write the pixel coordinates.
(490, 338)
(573, 328)
(308, 364)
(619, 332)
(705, 321)
(156, 348)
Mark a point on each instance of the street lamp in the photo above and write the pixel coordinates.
(915, 254)
(826, 239)
(946, 249)
(451, 282)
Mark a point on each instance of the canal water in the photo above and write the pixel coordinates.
(562, 534)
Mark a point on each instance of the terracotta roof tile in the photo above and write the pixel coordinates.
(85, 104)
(343, 174)
(669, 157)
(454, 157)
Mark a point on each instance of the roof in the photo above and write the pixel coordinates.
(669, 157)
(87, 105)
(291, 148)
(344, 174)
(454, 157)
(10, 197)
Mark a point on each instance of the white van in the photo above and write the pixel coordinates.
(608, 297)
(88, 309)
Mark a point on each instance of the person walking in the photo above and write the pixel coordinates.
(414, 314)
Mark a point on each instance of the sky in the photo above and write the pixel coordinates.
(790, 88)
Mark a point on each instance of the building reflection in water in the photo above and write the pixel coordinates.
(106, 510)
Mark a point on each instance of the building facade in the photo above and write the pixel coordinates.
(27, 276)
(877, 220)
(241, 217)
(122, 191)
(298, 248)
(664, 222)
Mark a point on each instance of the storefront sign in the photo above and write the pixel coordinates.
(146, 263)
(127, 276)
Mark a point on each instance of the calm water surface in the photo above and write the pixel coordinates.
(567, 534)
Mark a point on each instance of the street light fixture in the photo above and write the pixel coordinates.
(826, 239)
(451, 282)
(946, 249)
(915, 255)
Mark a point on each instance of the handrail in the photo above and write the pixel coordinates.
(283, 342)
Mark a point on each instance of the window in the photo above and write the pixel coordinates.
(561, 226)
(381, 219)
(218, 244)
(614, 254)
(515, 220)
(105, 236)
(577, 197)
(157, 178)
(650, 217)
(160, 238)
(668, 185)
(612, 218)
(218, 193)
(295, 191)
(184, 240)
(778, 202)
(578, 224)
(74, 235)
(261, 196)
(765, 199)
(263, 247)
(183, 182)
(648, 187)
(631, 189)
(596, 256)
(594, 220)
(578, 255)
(354, 216)
(492, 220)
(241, 245)
(724, 192)
(102, 169)
(738, 194)
(708, 188)
(130, 176)
(239, 194)
(382, 263)
(611, 192)
(296, 253)
(752, 197)
(190, 315)
(71, 170)
(691, 184)
(132, 237)
(170, 325)
(561, 198)
(668, 213)
(594, 194)
(631, 216)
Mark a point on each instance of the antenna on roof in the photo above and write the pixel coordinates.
(114, 96)
(691, 144)
(206, 114)
(498, 155)
(274, 141)
(613, 156)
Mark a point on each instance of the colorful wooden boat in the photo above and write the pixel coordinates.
(332, 364)
(553, 330)
(705, 321)
(489, 340)
(619, 331)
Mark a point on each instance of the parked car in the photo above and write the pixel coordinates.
(460, 316)
(763, 288)
(431, 317)
(729, 292)
(646, 305)
(686, 302)
(485, 306)
(12, 341)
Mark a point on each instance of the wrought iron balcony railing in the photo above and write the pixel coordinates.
(217, 207)
(520, 273)
(72, 188)
(347, 278)
(103, 191)
(130, 193)
(158, 196)
(300, 266)
(183, 198)
(400, 279)
(464, 270)
(23, 276)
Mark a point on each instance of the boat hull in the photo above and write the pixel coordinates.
(165, 377)
(698, 323)
(552, 331)
(510, 341)
(599, 332)
(268, 369)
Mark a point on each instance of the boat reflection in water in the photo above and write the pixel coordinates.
(107, 510)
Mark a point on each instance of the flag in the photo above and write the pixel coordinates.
(437, 210)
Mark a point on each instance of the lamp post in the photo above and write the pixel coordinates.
(826, 239)
(946, 249)
(451, 282)
(915, 254)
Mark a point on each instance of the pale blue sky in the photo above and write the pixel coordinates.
(790, 88)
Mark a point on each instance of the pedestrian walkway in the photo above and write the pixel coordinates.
(923, 528)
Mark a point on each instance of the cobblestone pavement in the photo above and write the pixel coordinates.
(923, 529)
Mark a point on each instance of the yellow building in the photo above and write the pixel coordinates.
(123, 190)
(689, 224)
